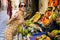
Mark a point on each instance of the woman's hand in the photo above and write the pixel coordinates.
(12, 18)
(15, 16)
(9, 21)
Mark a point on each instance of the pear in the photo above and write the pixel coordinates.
(55, 31)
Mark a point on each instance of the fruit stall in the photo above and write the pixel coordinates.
(42, 26)
(39, 27)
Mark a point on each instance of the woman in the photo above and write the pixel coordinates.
(14, 22)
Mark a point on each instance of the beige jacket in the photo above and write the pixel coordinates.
(14, 22)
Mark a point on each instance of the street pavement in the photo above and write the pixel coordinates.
(3, 18)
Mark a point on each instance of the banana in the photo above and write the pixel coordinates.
(35, 17)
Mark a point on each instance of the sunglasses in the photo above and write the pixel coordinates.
(23, 6)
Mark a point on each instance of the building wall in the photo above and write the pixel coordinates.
(3, 4)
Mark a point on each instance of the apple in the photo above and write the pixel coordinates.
(54, 16)
(29, 34)
(28, 22)
(20, 29)
(59, 31)
(26, 31)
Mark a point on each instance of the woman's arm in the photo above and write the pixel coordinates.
(9, 21)
(13, 17)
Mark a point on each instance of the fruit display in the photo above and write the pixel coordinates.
(36, 17)
(42, 37)
(33, 28)
(29, 30)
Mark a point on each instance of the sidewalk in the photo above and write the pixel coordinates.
(3, 19)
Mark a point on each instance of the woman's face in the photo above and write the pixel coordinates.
(23, 7)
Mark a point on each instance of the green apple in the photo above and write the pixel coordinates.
(54, 16)
(28, 22)
(26, 31)
(59, 31)
(20, 29)
(29, 34)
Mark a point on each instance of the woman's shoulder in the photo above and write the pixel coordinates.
(19, 12)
